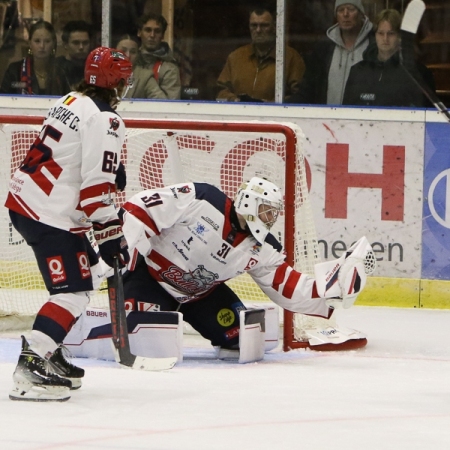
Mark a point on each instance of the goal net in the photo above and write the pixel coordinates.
(162, 152)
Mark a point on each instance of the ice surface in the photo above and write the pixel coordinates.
(394, 394)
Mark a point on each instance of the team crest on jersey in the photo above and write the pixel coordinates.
(184, 189)
(192, 282)
(113, 123)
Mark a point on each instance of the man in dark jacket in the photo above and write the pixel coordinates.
(328, 66)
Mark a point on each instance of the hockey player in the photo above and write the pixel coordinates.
(64, 186)
(186, 240)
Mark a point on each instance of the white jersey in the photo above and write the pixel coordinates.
(67, 179)
(191, 240)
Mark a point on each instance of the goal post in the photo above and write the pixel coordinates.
(164, 152)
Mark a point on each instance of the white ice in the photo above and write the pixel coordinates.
(394, 394)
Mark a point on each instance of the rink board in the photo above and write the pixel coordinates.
(372, 174)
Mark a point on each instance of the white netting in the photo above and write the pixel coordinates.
(216, 153)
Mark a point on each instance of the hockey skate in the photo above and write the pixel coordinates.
(33, 381)
(61, 366)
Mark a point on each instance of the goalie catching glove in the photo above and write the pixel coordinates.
(111, 242)
(342, 280)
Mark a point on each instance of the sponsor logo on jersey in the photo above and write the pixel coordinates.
(189, 241)
(83, 265)
(230, 334)
(225, 317)
(251, 263)
(114, 123)
(180, 251)
(211, 222)
(69, 100)
(184, 189)
(186, 246)
(56, 269)
(213, 256)
(174, 192)
(200, 229)
(256, 248)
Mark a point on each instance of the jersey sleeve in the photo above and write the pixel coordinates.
(286, 286)
(102, 137)
(148, 213)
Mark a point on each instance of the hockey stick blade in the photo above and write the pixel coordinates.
(410, 24)
(119, 330)
(412, 16)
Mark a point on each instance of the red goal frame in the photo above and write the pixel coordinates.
(289, 341)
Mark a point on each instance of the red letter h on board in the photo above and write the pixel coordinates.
(391, 182)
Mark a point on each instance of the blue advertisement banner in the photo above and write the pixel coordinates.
(436, 205)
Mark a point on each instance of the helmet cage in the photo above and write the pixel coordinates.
(249, 199)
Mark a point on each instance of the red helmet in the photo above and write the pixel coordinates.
(105, 67)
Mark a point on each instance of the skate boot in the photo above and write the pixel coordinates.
(60, 365)
(33, 381)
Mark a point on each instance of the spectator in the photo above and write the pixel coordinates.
(156, 72)
(76, 36)
(328, 66)
(144, 82)
(37, 73)
(128, 45)
(249, 73)
(379, 79)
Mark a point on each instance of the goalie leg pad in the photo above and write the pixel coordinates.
(252, 335)
(251, 338)
(151, 334)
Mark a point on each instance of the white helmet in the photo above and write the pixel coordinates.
(250, 197)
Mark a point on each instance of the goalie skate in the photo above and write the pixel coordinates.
(64, 368)
(33, 381)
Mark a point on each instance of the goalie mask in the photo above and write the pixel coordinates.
(259, 201)
(107, 67)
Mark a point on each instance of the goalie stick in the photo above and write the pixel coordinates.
(410, 23)
(119, 330)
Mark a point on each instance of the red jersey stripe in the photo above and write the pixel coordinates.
(279, 276)
(142, 215)
(291, 284)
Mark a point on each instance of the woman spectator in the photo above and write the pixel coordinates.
(36, 73)
(379, 79)
(144, 84)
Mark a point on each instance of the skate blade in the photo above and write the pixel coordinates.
(76, 383)
(32, 393)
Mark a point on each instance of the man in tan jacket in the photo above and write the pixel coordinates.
(249, 73)
(156, 72)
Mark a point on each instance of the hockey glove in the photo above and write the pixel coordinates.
(111, 242)
(121, 178)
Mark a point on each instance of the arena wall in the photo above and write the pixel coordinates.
(382, 173)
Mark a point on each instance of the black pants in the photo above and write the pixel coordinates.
(215, 317)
